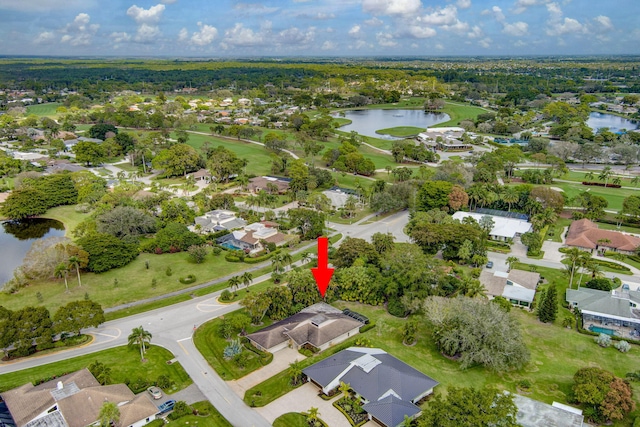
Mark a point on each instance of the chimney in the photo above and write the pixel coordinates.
(60, 385)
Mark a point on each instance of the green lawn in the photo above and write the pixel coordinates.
(211, 345)
(124, 362)
(459, 112)
(68, 216)
(208, 416)
(614, 196)
(133, 282)
(42, 110)
(607, 226)
(291, 419)
(401, 131)
(558, 228)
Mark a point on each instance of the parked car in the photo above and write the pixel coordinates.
(155, 392)
(490, 264)
(167, 406)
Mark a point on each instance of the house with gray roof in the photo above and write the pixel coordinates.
(613, 312)
(319, 325)
(533, 413)
(75, 400)
(517, 286)
(218, 220)
(388, 387)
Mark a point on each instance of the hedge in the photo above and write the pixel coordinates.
(611, 265)
(265, 356)
(601, 184)
(190, 278)
(367, 327)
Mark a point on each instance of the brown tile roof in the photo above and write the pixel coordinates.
(585, 234)
(276, 238)
(260, 183)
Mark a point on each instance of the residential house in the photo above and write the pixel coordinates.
(503, 229)
(251, 237)
(262, 183)
(201, 175)
(74, 400)
(70, 143)
(517, 286)
(218, 220)
(444, 139)
(615, 312)
(586, 235)
(388, 387)
(319, 325)
(533, 413)
(339, 196)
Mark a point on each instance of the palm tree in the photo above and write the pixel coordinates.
(510, 195)
(286, 259)
(306, 257)
(234, 282)
(511, 260)
(139, 336)
(588, 176)
(616, 180)
(62, 270)
(605, 174)
(594, 268)
(247, 278)
(296, 371)
(582, 263)
(109, 414)
(345, 389)
(635, 180)
(75, 261)
(573, 255)
(277, 263)
(312, 415)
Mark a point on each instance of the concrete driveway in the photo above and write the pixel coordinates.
(300, 400)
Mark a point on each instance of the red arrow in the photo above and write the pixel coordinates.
(322, 273)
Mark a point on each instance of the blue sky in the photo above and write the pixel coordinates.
(231, 28)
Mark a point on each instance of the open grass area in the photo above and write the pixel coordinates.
(401, 131)
(211, 345)
(41, 110)
(627, 229)
(134, 282)
(124, 362)
(291, 419)
(614, 196)
(558, 229)
(208, 416)
(458, 112)
(414, 102)
(68, 216)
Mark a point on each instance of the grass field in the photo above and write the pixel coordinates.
(42, 110)
(208, 416)
(124, 362)
(459, 112)
(401, 131)
(68, 216)
(291, 419)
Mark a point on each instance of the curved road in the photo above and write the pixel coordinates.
(172, 327)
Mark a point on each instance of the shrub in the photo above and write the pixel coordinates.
(190, 278)
(231, 258)
(168, 271)
(367, 327)
(241, 360)
(180, 409)
(603, 340)
(138, 385)
(164, 382)
(233, 349)
(601, 284)
(225, 295)
(622, 346)
(524, 384)
(216, 250)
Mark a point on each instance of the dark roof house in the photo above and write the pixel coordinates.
(389, 387)
(319, 325)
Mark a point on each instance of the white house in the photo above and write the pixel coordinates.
(503, 228)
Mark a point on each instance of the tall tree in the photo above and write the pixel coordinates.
(140, 337)
(548, 308)
(78, 315)
(109, 414)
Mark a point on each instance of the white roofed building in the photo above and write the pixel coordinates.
(503, 228)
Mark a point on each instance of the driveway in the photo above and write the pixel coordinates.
(280, 362)
(300, 400)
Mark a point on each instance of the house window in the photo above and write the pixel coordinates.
(509, 282)
(148, 419)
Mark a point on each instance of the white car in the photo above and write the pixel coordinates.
(155, 392)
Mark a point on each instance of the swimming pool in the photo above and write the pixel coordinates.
(600, 330)
(230, 246)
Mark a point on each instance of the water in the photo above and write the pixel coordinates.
(614, 123)
(600, 330)
(230, 246)
(367, 122)
(16, 238)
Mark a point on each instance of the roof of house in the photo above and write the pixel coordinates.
(202, 173)
(533, 413)
(391, 410)
(52, 419)
(378, 377)
(502, 226)
(612, 303)
(317, 325)
(260, 183)
(79, 401)
(586, 234)
(495, 282)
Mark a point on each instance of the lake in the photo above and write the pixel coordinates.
(367, 122)
(614, 123)
(16, 238)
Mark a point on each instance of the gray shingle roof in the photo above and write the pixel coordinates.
(391, 410)
(604, 302)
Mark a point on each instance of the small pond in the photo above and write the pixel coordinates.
(367, 122)
(16, 238)
(614, 123)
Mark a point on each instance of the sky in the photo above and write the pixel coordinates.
(351, 28)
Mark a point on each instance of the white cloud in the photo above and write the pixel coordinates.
(602, 24)
(183, 35)
(254, 8)
(374, 22)
(386, 40)
(327, 45)
(146, 16)
(420, 32)
(557, 26)
(242, 37)
(476, 32)
(80, 32)
(147, 33)
(205, 36)
(497, 13)
(120, 37)
(391, 7)
(295, 36)
(439, 46)
(485, 43)
(356, 31)
(459, 27)
(517, 29)
(522, 5)
(45, 37)
(445, 16)
(464, 4)
(40, 6)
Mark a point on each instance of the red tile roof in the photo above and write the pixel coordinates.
(585, 234)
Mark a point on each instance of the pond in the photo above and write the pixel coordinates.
(16, 238)
(614, 123)
(367, 122)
